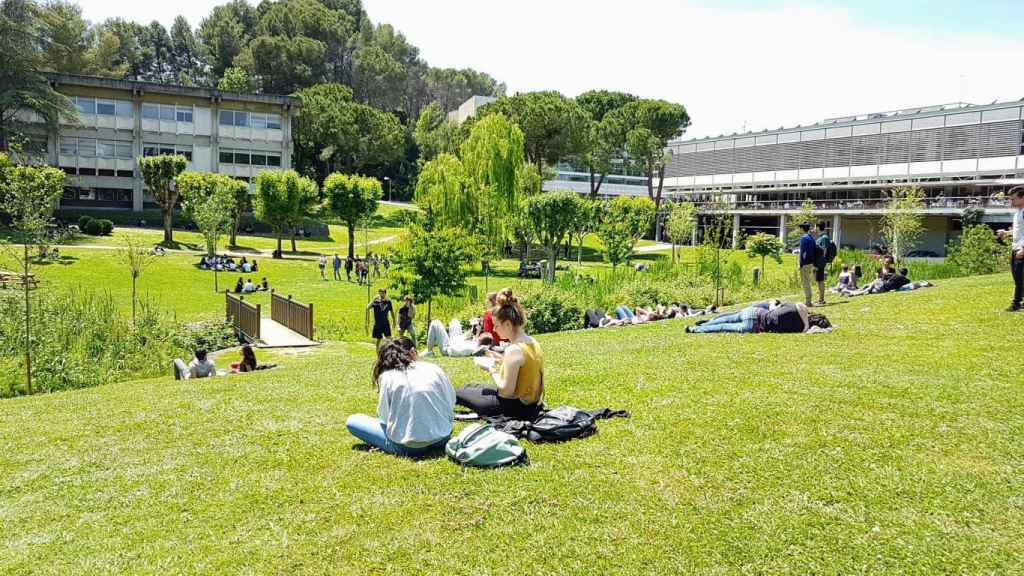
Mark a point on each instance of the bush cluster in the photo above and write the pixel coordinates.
(95, 226)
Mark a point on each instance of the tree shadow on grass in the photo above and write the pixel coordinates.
(176, 245)
(61, 261)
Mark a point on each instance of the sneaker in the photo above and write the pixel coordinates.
(688, 329)
(819, 303)
(1013, 308)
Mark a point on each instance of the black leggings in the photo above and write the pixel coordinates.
(485, 401)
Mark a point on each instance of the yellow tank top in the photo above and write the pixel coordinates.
(528, 382)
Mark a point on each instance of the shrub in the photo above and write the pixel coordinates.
(551, 309)
(93, 228)
(83, 222)
(979, 251)
(210, 335)
(106, 227)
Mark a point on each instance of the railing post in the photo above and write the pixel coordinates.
(310, 321)
(258, 316)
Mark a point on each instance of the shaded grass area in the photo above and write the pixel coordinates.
(890, 446)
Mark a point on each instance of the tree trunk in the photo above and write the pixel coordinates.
(351, 241)
(133, 299)
(28, 324)
(234, 228)
(294, 249)
(169, 223)
(552, 259)
(279, 243)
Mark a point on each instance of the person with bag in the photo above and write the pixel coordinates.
(415, 407)
(518, 375)
(826, 253)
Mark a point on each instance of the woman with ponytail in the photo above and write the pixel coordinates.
(518, 375)
(415, 407)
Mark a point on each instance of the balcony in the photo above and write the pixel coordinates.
(937, 204)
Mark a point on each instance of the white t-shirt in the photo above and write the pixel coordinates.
(204, 369)
(416, 405)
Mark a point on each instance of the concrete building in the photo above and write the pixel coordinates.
(238, 135)
(467, 109)
(962, 155)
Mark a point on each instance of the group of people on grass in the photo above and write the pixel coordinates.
(365, 269)
(202, 366)
(416, 401)
(598, 318)
(228, 264)
(246, 285)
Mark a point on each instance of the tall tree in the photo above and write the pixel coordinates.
(551, 217)
(23, 86)
(444, 191)
(225, 32)
(186, 58)
(435, 134)
(284, 200)
(493, 157)
(159, 174)
(235, 80)
(352, 199)
(624, 222)
(605, 143)
(28, 195)
(209, 199)
(554, 127)
(432, 263)
(903, 221)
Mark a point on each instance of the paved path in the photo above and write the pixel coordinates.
(653, 248)
(263, 253)
(274, 335)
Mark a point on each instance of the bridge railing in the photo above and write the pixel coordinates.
(245, 317)
(291, 314)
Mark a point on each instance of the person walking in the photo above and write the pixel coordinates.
(808, 256)
(337, 266)
(823, 243)
(1016, 196)
(348, 268)
(406, 316)
(322, 264)
(382, 309)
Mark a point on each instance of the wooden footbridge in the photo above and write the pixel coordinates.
(290, 323)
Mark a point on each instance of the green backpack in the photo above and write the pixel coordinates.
(481, 446)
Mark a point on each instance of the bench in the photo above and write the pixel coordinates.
(15, 280)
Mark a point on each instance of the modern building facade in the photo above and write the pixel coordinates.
(962, 155)
(239, 135)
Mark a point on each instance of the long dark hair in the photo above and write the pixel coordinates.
(818, 320)
(396, 354)
(248, 357)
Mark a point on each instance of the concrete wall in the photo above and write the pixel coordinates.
(865, 232)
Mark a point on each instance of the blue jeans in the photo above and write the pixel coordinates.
(373, 432)
(623, 313)
(742, 322)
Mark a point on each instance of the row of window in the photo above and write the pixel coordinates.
(167, 112)
(122, 108)
(73, 171)
(239, 118)
(93, 148)
(249, 158)
(100, 194)
(150, 149)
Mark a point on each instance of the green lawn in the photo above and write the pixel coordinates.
(892, 446)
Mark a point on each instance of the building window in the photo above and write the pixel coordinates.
(166, 151)
(242, 158)
(167, 113)
(105, 107)
(258, 159)
(69, 146)
(86, 105)
(274, 121)
(227, 157)
(124, 150)
(123, 108)
(241, 118)
(151, 111)
(105, 172)
(259, 121)
(150, 150)
(69, 170)
(125, 174)
(87, 147)
(226, 118)
(105, 149)
(184, 114)
(273, 160)
(185, 151)
(69, 194)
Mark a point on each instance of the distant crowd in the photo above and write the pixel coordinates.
(365, 269)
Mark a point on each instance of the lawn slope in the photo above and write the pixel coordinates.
(891, 446)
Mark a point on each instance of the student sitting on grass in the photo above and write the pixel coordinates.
(239, 286)
(248, 287)
(200, 367)
(248, 363)
(519, 380)
(415, 406)
(846, 281)
(764, 317)
(454, 342)
(264, 286)
(883, 284)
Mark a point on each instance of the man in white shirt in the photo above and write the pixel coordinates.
(200, 367)
(453, 342)
(1016, 196)
(248, 286)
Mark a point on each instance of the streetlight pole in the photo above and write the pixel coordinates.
(388, 180)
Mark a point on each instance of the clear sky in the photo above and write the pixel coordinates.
(732, 63)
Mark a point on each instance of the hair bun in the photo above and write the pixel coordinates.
(506, 298)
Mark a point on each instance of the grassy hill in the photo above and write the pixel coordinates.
(890, 446)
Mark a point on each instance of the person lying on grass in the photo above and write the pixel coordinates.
(415, 405)
(518, 374)
(772, 316)
(454, 342)
(883, 284)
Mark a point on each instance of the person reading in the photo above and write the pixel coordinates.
(415, 404)
(518, 374)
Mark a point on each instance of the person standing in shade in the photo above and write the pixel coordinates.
(337, 266)
(383, 316)
(406, 315)
(348, 268)
(1016, 196)
(808, 256)
(322, 264)
(823, 242)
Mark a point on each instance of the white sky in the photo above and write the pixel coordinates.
(730, 67)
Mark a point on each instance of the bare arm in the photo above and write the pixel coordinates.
(512, 361)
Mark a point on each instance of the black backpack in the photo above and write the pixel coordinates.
(830, 252)
(562, 423)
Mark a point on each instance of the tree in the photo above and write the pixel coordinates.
(209, 199)
(352, 199)
(435, 134)
(624, 222)
(433, 263)
(186, 58)
(235, 80)
(28, 195)
(648, 126)
(136, 257)
(225, 32)
(765, 245)
(680, 224)
(979, 251)
(283, 201)
(551, 216)
(806, 215)
(902, 222)
(23, 86)
(444, 191)
(554, 127)
(159, 174)
(586, 218)
(243, 202)
(493, 157)
(604, 143)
